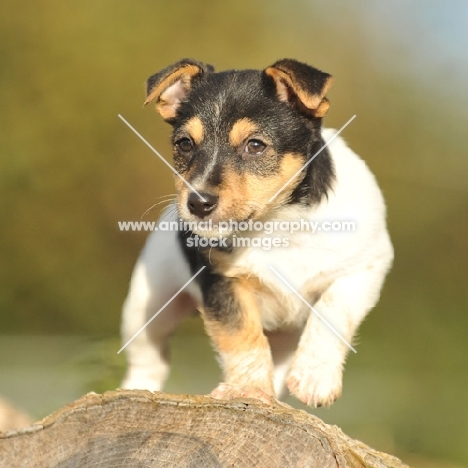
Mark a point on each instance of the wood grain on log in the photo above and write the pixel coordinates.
(142, 429)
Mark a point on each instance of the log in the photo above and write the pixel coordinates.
(142, 429)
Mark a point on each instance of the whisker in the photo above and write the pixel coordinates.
(151, 207)
(209, 255)
(168, 214)
(168, 195)
(167, 199)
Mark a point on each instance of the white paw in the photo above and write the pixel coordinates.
(226, 391)
(145, 377)
(317, 386)
(141, 384)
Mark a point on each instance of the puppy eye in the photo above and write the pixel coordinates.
(255, 147)
(184, 145)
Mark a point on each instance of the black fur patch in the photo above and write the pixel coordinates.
(218, 303)
(319, 177)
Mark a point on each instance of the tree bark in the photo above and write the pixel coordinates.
(142, 429)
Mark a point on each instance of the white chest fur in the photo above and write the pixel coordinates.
(311, 261)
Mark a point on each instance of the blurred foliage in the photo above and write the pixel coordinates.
(70, 169)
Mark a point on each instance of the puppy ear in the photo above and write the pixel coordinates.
(301, 85)
(171, 86)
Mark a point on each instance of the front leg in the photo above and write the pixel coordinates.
(315, 376)
(233, 322)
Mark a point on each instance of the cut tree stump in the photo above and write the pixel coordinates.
(142, 429)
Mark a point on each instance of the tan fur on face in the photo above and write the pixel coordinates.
(195, 129)
(248, 193)
(240, 131)
(182, 189)
(243, 196)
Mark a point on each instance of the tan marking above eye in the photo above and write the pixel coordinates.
(195, 129)
(241, 130)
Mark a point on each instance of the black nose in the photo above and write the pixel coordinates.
(200, 207)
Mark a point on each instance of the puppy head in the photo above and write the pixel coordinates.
(241, 138)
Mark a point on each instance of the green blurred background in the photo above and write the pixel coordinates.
(70, 170)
